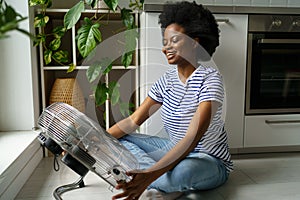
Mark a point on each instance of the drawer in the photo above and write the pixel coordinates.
(272, 130)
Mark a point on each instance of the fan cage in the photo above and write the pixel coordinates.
(86, 141)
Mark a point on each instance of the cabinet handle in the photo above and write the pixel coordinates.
(282, 121)
(279, 41)
(223, 20)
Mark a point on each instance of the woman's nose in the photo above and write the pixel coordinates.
(167, 47)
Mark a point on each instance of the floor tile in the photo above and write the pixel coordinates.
(256, 177)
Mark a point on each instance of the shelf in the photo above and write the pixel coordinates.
(106, 114)
(84, 67)
(104, 11)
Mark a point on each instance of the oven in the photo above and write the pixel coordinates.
(273, 64)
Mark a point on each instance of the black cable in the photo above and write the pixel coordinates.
(56, 163)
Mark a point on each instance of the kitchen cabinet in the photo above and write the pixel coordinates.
(111, 24)
(230, 58)
(272, 130)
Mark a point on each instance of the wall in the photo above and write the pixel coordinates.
(18, 79)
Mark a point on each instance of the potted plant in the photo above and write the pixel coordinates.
(88, 36)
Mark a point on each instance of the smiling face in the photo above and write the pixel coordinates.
(178, 47)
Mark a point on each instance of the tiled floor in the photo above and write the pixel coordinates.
(256, 177)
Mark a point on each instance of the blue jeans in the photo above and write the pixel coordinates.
(198, 171)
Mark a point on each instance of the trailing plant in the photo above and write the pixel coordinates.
(9, 20)
(88, 37)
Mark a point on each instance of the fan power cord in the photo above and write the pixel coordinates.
(56, 166)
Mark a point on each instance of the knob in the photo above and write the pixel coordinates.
(277, 23)
(116, 171)
(296, 23)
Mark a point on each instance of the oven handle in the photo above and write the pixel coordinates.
(279, 41)
(282, 121)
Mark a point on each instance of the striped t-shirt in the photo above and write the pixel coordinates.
(180, 101)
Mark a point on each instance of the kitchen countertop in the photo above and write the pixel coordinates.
(235, 9)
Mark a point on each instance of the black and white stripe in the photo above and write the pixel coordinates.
(180, 101)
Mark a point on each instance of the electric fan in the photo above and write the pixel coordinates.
(85, 146)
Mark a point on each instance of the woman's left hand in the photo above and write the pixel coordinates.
(134, 188)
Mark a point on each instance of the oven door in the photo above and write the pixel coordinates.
(273, 73)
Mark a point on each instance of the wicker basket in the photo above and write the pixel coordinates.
(67, 90)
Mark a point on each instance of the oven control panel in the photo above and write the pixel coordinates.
(274, 23)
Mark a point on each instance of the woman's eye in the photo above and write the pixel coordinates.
(175, 39)
(165, 42)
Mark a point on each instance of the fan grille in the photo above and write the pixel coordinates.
(73, 130)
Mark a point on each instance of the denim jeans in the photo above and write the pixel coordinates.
(198, 171)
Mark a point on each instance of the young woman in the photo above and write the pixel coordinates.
(196, 156)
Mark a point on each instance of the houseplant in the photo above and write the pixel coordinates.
(88, 37)
(9, 20)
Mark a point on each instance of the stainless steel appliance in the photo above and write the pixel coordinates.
(273, 68)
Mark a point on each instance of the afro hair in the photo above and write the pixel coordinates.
(197, 21)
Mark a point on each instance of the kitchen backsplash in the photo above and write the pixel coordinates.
(265, 3)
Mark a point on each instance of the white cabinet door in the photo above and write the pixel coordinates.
(153, 65)
(272, 130)
(230, 58)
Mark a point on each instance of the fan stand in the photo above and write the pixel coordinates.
(77, 167)
(65, 188)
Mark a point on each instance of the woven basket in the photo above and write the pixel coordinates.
(67, 90)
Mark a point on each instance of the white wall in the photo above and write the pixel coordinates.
(18, 79)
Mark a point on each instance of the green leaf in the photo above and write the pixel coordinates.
(33, 2)
(55, 44)
(48, 3)
(10, 14)
(136, 4)
(25, 32)
(131, 39)
(104, 116)
(107, 69)
(107, 65)
(94, 71)
(71, 68)
(98, 68)
(40, 38)
(101, 94)
(8, 26)
(73, 15)
(91, 3)
(127, 17)
(114, 92)
(88, 37)
(38, 2)
(127, 58)
(40, 20)
(125, 108)
(47, 56)
(61, 56)
(112, 4)
(59, 31)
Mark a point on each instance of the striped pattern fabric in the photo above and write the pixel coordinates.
(180, 101)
